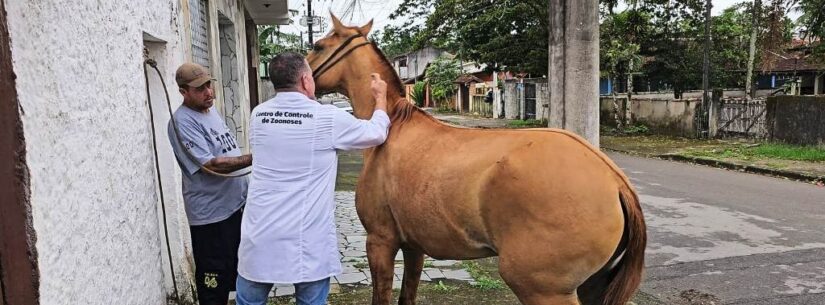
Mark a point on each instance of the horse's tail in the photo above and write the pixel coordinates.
(627, 275)
(616, 282)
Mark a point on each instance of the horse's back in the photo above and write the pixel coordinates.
(467, 188)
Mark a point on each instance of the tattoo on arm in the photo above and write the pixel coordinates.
(226, 165)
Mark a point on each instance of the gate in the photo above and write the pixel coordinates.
(742, 118)
(529, 101)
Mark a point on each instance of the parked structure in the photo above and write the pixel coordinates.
(412, 67)
(90, 198)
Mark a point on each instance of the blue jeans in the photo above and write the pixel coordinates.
(253, 293)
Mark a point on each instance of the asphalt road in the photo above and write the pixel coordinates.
(724, 237)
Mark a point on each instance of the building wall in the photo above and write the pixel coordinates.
(238, 112)
(690, 94)
(417, 62)
(662, 116)
(94, 192)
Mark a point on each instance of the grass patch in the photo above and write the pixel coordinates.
(633, 130)
(349, 168)
(527, 124)
(441, 287)
(483, 277)
(361, 265)
(764, 151)
(789, 152)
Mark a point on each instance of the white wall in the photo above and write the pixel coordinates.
(93, 187)
(234, 11)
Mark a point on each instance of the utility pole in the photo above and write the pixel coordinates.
(705, 112)
(573, 75)
(310, 21)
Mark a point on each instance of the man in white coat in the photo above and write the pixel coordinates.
(288, 230)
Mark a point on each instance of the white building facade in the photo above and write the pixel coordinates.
(87, 191)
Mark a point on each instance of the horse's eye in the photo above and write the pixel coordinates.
(317, 47)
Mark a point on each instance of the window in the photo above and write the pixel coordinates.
(199, 22)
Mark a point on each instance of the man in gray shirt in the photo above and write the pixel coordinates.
(214, 204)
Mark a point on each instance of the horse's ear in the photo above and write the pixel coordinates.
(336, 23)
(364, 30)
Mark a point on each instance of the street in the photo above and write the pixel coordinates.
(718, 236)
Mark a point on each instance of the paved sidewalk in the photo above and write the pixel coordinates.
(352, 243)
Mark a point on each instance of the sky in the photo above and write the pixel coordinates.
(380, 10)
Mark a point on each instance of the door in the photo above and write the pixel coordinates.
(465, 98)
(529, 101)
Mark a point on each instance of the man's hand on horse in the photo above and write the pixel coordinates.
(379, 92)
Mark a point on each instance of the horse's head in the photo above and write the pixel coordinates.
(330, 56)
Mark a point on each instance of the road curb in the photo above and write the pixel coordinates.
(730, 166)
(745, 168)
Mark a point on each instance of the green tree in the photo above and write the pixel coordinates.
(812, 24)
(441, 74)
(620, 34)
(731, 39)
(497, 33)
(273, 42)
(395, 40)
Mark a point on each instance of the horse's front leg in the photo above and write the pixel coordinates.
(413, 265)
(381, 250)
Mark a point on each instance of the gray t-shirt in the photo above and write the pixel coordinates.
(208, 199)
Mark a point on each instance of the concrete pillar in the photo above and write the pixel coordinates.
(496, 96)
(713, 112)
(521, 100)
(511, 103)
(818, 84)
(574, 67)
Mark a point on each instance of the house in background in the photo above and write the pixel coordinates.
(793, 73)
(93, 211)
(472, 87)
(412, 67)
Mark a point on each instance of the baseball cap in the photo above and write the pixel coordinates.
(192, 75)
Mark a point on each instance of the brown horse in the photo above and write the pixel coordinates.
(562, 217)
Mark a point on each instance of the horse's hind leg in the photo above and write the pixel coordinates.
(413, 265)
(538, 278)
(533, 289)
(381, 255)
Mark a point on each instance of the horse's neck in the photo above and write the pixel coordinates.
(359, 91)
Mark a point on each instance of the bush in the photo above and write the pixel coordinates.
(419, 93)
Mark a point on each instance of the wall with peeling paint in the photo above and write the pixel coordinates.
(94, 192)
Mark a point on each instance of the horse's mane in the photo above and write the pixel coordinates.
(403, 109)
(387, 65)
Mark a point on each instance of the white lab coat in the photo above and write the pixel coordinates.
(288, 231)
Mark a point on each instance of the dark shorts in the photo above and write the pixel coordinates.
(215, 247)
